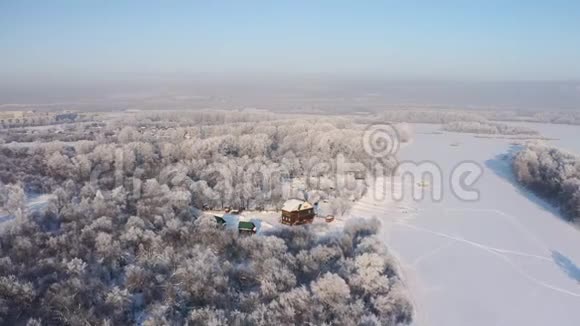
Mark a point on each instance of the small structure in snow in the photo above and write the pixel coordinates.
(296, 212)
(246, 227)
(422, 184)
(329, 218)
(220, 220)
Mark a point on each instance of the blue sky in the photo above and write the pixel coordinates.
(441, 40)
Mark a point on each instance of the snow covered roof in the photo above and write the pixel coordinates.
(292, 205)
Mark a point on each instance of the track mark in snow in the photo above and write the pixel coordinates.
(476, 244)
(501, 254)
(513, 219)
(432, 252)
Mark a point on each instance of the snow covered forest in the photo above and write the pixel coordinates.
(553, 174)
(204, 157)
(124, 238)
(95, 264)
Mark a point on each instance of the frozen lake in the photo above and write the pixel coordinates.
(505, 259)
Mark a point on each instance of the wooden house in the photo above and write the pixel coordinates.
(296, 212)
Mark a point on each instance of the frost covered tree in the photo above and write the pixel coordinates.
(404, 131)
(15, 200)
(3, 194)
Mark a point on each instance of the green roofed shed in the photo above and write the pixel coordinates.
(246, 227)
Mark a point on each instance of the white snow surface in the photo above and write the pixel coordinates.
(506, 259)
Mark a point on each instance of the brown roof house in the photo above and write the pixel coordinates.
(296, 212)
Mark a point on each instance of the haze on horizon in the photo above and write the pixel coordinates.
(516, 54)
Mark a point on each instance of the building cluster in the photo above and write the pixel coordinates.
(244, 227)
(294, 212)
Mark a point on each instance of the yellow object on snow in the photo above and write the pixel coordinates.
(423, 184)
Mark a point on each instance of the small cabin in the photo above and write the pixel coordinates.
(296, 212)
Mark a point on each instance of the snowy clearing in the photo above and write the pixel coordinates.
(33, 203)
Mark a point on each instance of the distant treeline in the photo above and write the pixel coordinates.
(555, 117)
(429, 116)
(552, 174)
(444, 116)
(485, 127)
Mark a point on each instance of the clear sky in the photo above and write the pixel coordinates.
(441, 40)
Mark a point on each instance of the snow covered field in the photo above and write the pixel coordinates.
(506, 259)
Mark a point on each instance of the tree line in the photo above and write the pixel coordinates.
(553, 174)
